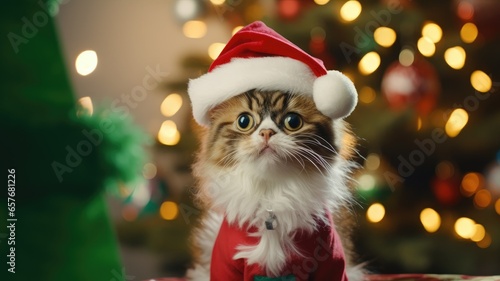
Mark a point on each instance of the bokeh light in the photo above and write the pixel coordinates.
(168, 134)
(186, 9)
(149, 171)
(350, 10)
(426, 46)
(455, 57)
(479, 233)
(465, 227)
(485, 243)
(169, 210)
(171, 104)
(217, 2)
(86, 106)
(468, 32)
(406, 57)
(482, 199)
(471, 182)
(457, 121)
(375, 213)
(480, 81)
(236, 29)
(369, 63)
(215, 49)
(372, 161)
(194, 29)
(366, 182)
(432, 31)
(384, 36)
(86, 62)
(430, 219)
(321, 2)
(367, 95)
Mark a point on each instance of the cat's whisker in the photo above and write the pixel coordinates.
(319, 141)
(304, 153)
(320, 159)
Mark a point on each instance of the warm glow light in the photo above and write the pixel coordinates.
(384, 36)
(215, 49)
(141, 195)
(465, 227)
(236, 29)
(129, 213)
(455, 57)
(86, 106)
(469, 32)
(485, 243)
(479, 233)
(430, 220)
(406, 57)
(369, 63)
(367, 95)
(375, 212)
(482, 199)
(445, 170)
(471, 183)
(480, 81)
(350, 10)
(426, 46)
(171, 104)
(149, 171)
(194, 29)
(321, 2)
(169, 210)
(419, 123)
(86, 62)
(186, 9)
(366, 182)
(497, 206)
(217, 2)
(168, 134)
(432, 31)
(372, 161)
(457, 121)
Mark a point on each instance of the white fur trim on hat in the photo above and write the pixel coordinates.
(335, 95)
(270, 74)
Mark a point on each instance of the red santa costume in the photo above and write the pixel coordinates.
(322, 256)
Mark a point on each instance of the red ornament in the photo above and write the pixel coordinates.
(446, 191)
(289, 9)
(416, 85)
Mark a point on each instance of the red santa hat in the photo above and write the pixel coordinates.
(257, 57)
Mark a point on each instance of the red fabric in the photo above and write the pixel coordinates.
(323, 256)
(257, 40)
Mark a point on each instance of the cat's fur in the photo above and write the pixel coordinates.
(303, 176)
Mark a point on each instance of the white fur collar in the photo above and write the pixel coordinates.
(297, 199)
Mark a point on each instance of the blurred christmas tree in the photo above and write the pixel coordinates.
(427, 119)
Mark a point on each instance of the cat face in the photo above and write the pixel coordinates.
(271, 131)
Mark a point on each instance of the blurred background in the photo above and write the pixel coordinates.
(428, 119)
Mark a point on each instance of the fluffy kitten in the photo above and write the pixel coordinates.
(272, 151)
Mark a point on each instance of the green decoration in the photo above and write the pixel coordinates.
(283, 278)
(59, 162)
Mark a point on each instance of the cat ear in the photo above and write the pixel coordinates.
(334, 95)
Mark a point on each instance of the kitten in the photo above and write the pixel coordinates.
(278, 169)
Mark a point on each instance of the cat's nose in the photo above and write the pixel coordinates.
(267, 134)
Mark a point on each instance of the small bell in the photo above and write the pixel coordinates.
(271, 222)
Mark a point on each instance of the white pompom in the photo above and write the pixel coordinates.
(335, 95)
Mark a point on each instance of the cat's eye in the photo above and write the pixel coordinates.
(292, 121)
(244, 122)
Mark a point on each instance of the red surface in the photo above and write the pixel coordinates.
(396, 277)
